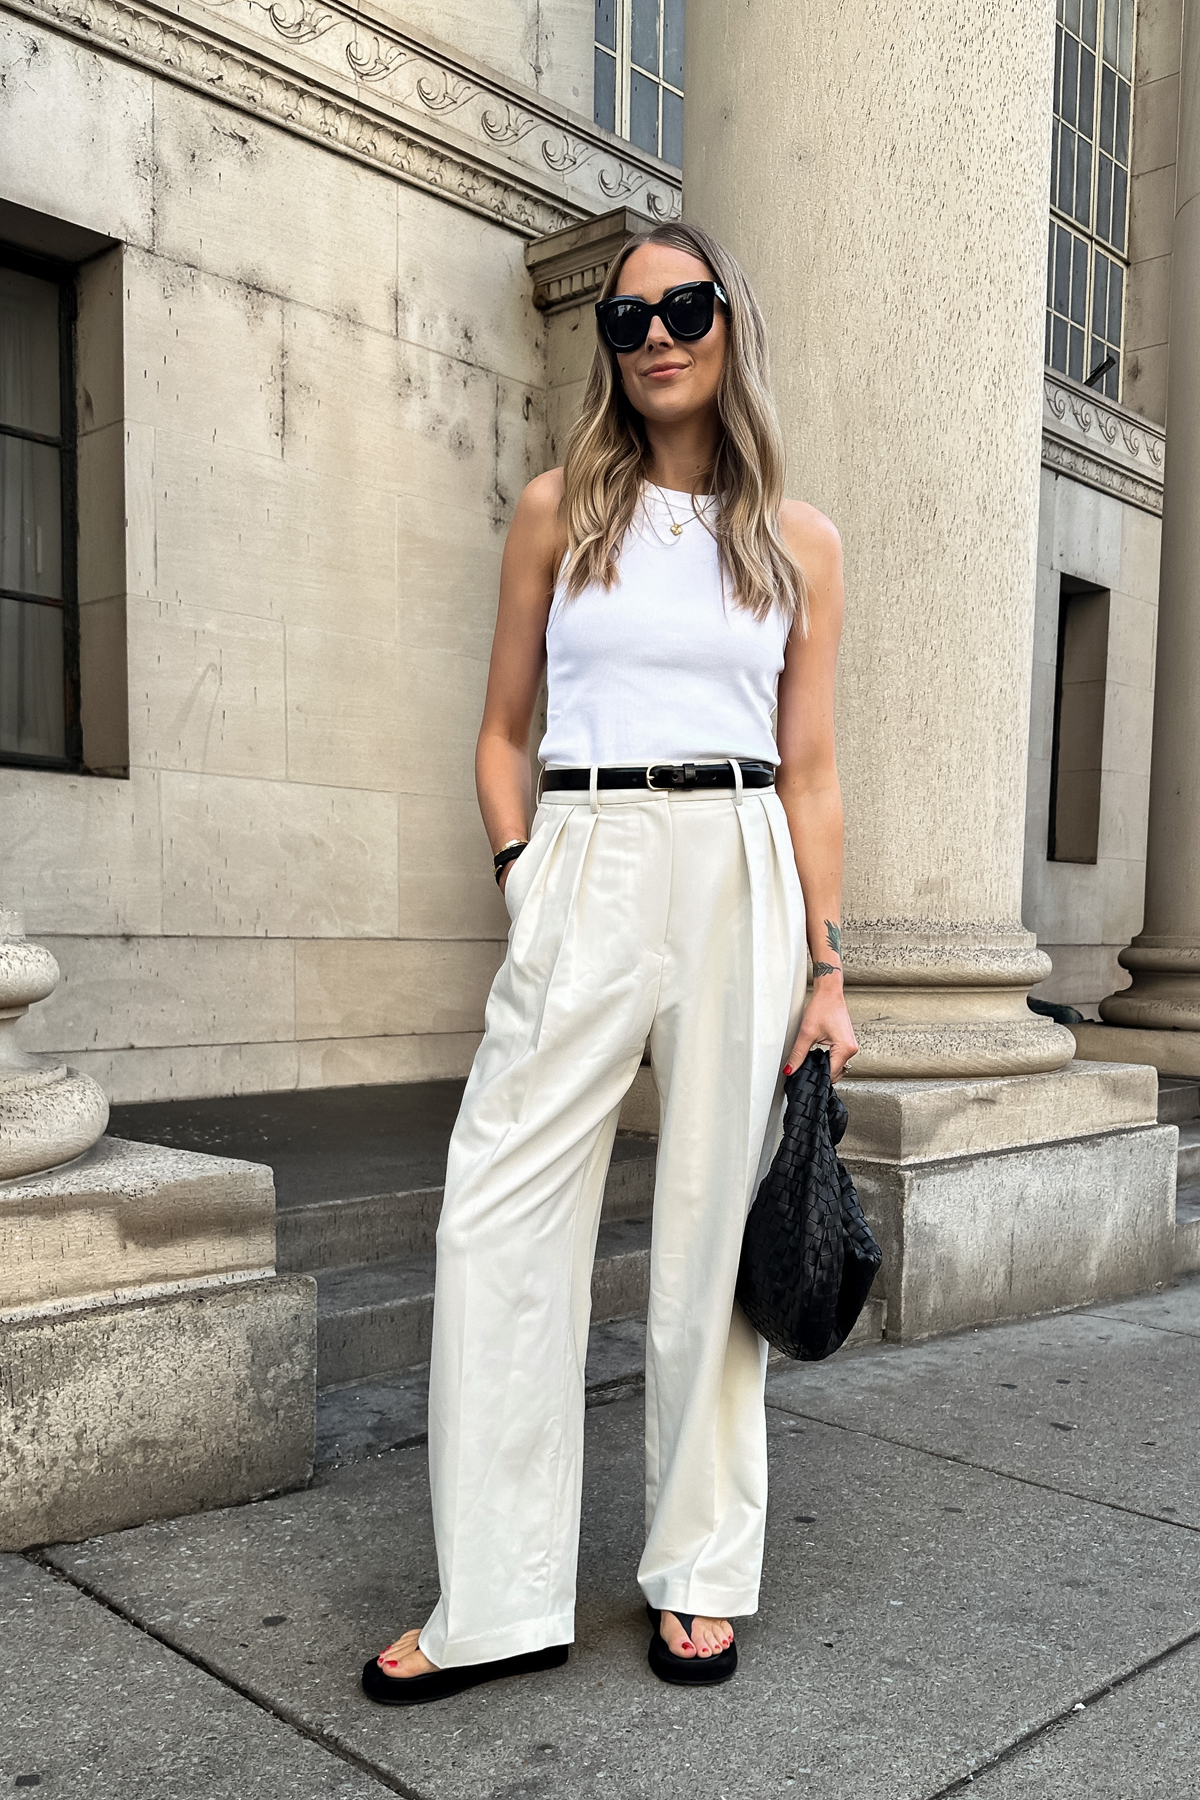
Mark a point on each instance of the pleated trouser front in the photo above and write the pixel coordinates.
(673, 918)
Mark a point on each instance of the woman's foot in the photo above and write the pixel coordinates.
(403, 1659)
(708, 1637)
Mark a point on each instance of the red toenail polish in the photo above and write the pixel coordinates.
(787, 1068)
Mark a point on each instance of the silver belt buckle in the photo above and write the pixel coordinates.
(683, 776)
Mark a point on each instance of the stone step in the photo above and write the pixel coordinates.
(378, 1317)
(364, 1418)
(1178, 1100)
(1187, 1229)
(349, 1229)
(1189, 1155)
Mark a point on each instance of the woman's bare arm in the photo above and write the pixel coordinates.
(533, 552)
(807, 779)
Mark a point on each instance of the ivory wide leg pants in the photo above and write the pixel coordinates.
(673, 917)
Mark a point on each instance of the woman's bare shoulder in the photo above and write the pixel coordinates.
(542, 497)
(811, 537)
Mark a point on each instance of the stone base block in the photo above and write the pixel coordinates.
(1170, 1052)
(1000, 1234)
(129, 1214)
(112, 1414)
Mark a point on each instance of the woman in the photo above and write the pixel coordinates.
(673, 602)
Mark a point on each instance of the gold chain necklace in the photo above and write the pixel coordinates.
(677, 525)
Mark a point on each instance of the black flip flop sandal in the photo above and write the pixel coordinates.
(690, 1671)
(439, 1684)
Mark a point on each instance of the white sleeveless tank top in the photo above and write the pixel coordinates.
(663, 666)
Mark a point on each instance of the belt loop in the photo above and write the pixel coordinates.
(736, 766)
(593, 785)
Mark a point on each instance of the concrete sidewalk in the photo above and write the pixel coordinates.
(983, 1560)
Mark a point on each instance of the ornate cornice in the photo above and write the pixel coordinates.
(569, 266)
(1102, 445)
(347, 78)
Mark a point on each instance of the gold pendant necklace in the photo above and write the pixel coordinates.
(676, 528)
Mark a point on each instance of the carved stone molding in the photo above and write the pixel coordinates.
(349, 79)
(1102, 445)
(569, 266)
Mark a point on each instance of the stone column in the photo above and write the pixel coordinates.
(882, 172)
(1158, 1016)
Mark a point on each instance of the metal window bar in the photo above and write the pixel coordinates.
(64, 443)
(1089, 189)
(637, 92)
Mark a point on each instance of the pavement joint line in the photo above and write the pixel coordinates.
(1145, 1325)
(1105, 1690)
(965, 1462)
(315, 1735)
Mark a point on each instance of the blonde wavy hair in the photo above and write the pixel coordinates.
(605, 464)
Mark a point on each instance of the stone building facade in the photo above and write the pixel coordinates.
(295, 295)
(332, 268)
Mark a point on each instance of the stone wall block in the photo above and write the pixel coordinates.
(437, 722)
(246, 858)
(190, 1071)
(241, 532)
(206, 690)
(168, 991)
(1088, 531)
(345, 701)
(203, 355)
(421, 1056)
(99, 174)
(447, 576)
(1155, 125)
(82, 855)
(446, 881)
(1151, 213)
(240, 198)
(387, 989)
(118, 1414)
(472, 301)
(367, 408)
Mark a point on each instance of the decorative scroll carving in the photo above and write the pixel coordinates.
(509, 156)
(1103, 445)
(376, 62)
(309, 22)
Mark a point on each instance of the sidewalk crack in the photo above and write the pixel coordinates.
(1104, 1690)
(275, 1710)
(966, 1462)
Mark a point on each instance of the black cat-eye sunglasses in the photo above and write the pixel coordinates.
(686, 311)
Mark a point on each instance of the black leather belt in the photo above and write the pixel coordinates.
(661, 777)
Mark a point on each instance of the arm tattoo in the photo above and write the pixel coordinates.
(824, 968)
(833, 936)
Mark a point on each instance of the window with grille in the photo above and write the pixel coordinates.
(638, 80)
(38, 641)
(1089, 191)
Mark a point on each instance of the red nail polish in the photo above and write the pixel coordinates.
(787, 1068)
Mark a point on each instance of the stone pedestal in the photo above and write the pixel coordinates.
(153, 1361)
(1156, 1019)
(49, 1113)
(995, 1199)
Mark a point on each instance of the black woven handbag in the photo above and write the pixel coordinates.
(808, 1257)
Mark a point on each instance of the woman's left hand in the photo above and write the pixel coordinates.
(825, 1021)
